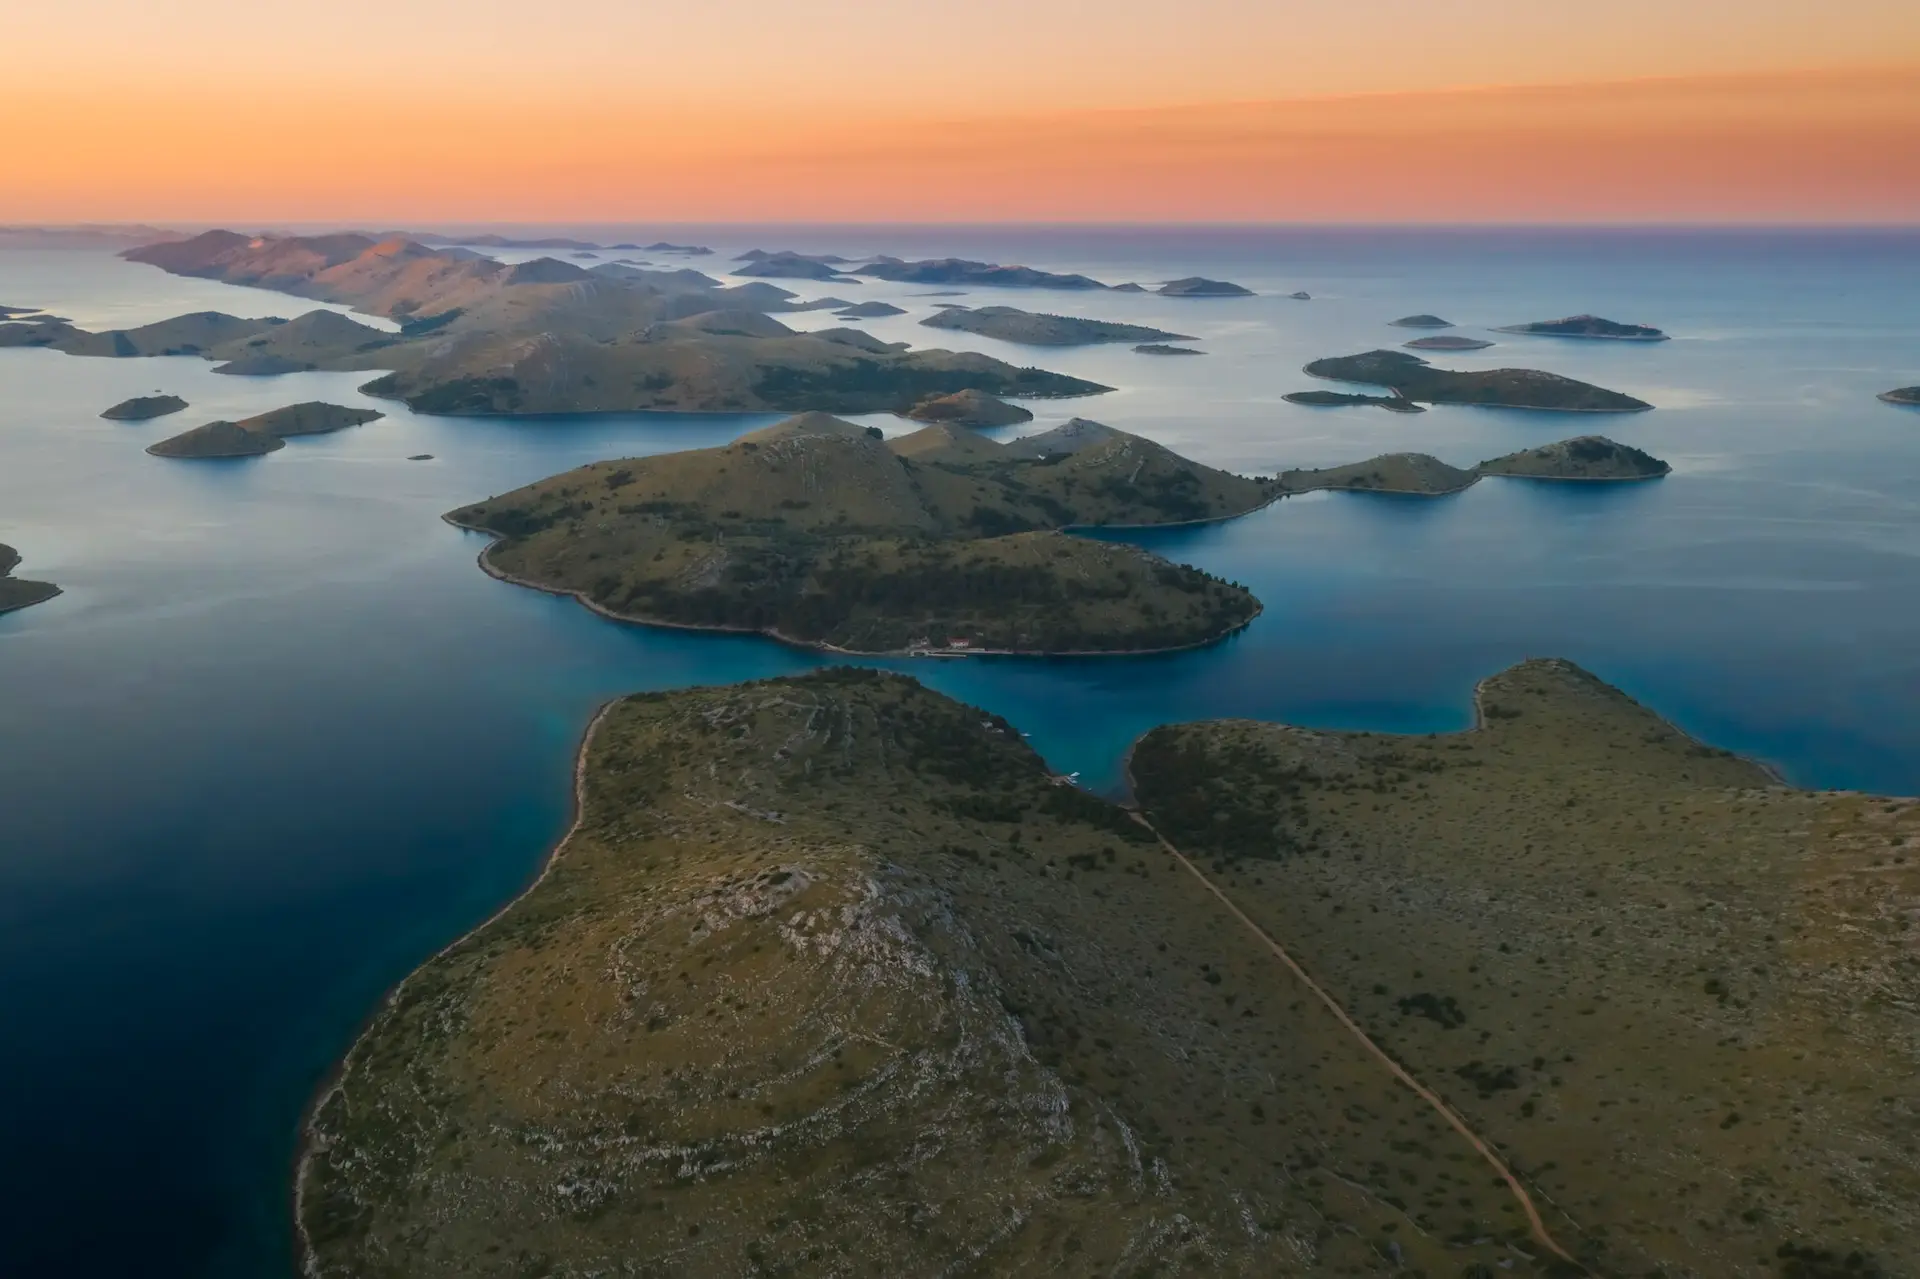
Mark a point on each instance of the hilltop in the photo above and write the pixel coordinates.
(1675, 994)
(1586, 458)
(831, 977)
(820, 532)
(1413, 378)
(18, 592)
(1588, 326)
(262, 433)
(1010, 324)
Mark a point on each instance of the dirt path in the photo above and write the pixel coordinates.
(1534, 1221)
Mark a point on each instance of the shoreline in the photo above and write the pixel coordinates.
(337, 1076)
(821, 646)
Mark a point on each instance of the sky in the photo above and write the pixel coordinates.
(384, 111)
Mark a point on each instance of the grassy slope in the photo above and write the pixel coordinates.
(1679, 996)
(830, 979)
(819, 532)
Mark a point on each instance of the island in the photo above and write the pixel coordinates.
(1584, 459)
(832, 975)
(18, 592)
(1162, 348)
(1448, 342)
(761, 255)
(962, 271)
(1342, 399)
(544, 336)
(689, 250)
(1301, 296)
(821, 533)
(1902, 395)
(263, 433)
(143, 408)
(419, 457)
(968, 408)
(1587, 326)
(1620, 954)
(1421, 321)
(1195, 286)
(1412, 378)
(1129, 287)
(15, 312)
(1029, 328)
(790, 266)
(869, 311)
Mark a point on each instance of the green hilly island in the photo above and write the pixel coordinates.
(821, 532)
(1410, 377)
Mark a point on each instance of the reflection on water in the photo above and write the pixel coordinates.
(280, 739)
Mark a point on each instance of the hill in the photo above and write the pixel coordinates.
(869, 310)
(143, 408)
(18, 592)
(1413, 378)
(819, 532)
(1588, 326)
(1673, 992)
(831, 977)
(1011, 324)
(968, 408)
(1587, 457)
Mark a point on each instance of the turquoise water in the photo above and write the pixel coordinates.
(280, 738)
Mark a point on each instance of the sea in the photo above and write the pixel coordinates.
(280, 739)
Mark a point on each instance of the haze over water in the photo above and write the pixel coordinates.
(280, 739)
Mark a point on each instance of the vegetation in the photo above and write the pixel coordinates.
(832, 978)
(1675, 993)
(823, 533)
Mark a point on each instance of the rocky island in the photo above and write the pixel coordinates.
(962, 271)
(790, 266)
(544, 336)
(1412, 378)
(1622, 956)
(1421, 321)
(821, 533)
(18, 592)
(1195, 286)
(1344, 399)
(1585, 459)
(1587, 326)
(969, 409)
(1162, 348)
(869, 311)
(1902, 395)
(1010, 324)
(1448, 342)
(263, 433)
(142, 408)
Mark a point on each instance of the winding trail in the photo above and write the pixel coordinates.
(1535, 1222)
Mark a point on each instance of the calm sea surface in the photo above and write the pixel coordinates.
(280, 739)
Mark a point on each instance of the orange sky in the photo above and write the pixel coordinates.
(408, 111)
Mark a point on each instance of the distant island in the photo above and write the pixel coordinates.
(141, 408)
(1902, 395)
(1584, 459)
(790, 266)
(819, 532)
(834, 969)
(962, 271)
(1029, 328)
(1448, 342)
(1161, 348)
(690, 250)
(762, 255)
(1587, 326)
(1412, 378)
(1421, 321)
(968, 408)
(17, 592)
(1195, 286)
(869, 310)
(544, 336)
(1344, 399)
(263, 433)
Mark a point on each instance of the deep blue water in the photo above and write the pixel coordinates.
(280, 739)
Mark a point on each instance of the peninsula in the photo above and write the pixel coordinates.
(1029, 328)
(968, 408)
(1587, 326)
(18, 592)
(1623, 957)
(821, 533)
(1412, 378)
(1195, 286)
(263, 433)
(143, 408)
(1902, 395)
(1584, 459)
(962, 271)
(544, 336)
